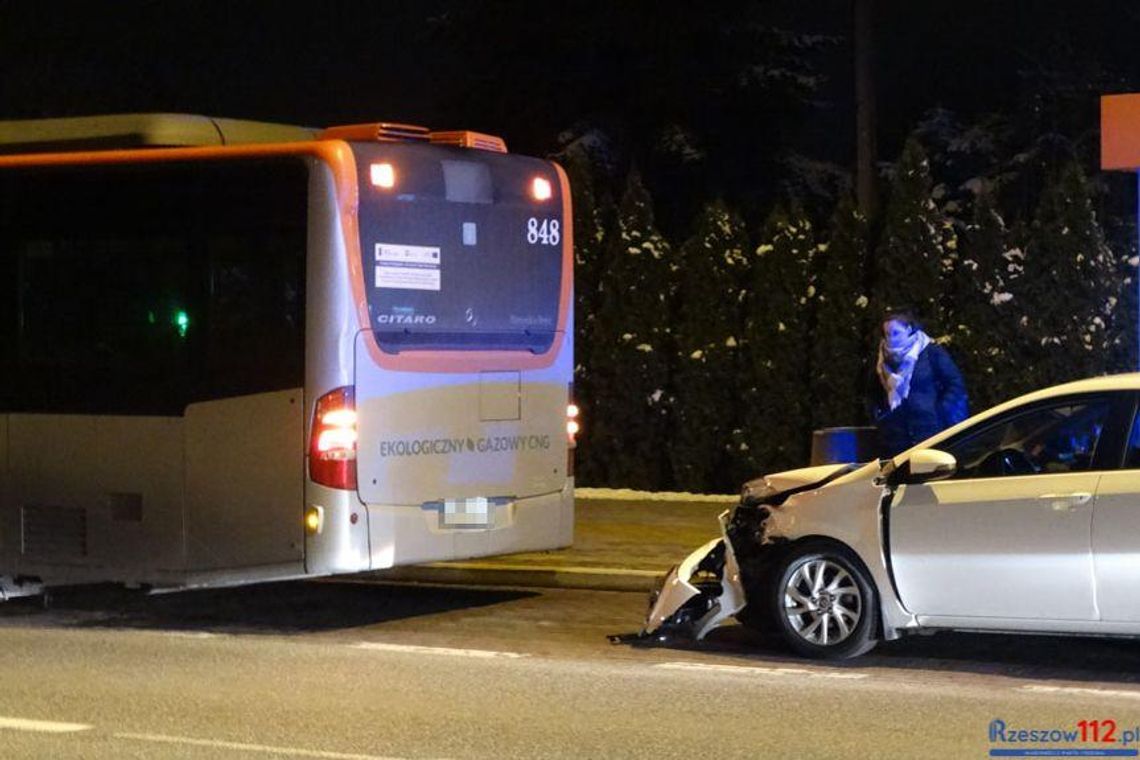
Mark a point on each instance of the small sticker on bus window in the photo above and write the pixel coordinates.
(407, 267)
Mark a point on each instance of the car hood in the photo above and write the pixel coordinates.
(781, 484)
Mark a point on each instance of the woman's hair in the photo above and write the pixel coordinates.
(905, 315)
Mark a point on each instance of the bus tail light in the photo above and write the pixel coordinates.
(572, 412)
(332, 441)
(572, 428)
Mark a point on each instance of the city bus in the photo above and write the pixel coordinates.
(235, 352)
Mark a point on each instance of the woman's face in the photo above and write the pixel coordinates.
(896, 334)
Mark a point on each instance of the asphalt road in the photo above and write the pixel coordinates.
(341, 670)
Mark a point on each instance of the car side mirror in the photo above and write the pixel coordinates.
(930, 464)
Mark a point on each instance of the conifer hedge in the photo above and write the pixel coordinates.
(709, 360)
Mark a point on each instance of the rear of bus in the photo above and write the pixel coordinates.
(438, 427)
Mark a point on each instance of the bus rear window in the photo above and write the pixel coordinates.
(457, 254)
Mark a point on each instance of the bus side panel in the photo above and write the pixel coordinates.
(94, 498)
(245, 481)
(331, 325)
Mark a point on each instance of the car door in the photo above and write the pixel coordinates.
(1116, 535)
(1008, 536)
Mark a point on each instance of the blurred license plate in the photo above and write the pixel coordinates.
(474, 512)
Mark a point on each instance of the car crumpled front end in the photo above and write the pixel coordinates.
(710, 585)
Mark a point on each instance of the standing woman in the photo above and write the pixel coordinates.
(920, 391)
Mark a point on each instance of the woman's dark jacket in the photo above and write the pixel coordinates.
(937, 400)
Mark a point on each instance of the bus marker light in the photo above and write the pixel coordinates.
(314, 520)
(383, 175)
(540, 189)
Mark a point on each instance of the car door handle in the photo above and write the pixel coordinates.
(1066, 501)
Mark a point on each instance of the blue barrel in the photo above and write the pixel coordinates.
(840, 445)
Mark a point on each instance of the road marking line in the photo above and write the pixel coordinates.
(44, 726)
(412, 649)
(262, 748)
(628, 494)
(760, 671)
(574, 570)
(1114, 693)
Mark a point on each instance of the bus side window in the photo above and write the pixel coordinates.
(253, 246)
(99, 270)
(140, 289)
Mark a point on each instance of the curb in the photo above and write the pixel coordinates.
(532, 576)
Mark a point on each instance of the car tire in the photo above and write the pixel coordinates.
(823, 603)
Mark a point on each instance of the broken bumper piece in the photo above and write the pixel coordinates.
(698, 594)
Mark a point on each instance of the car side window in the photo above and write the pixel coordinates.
(1132, 458)
(1047, 439)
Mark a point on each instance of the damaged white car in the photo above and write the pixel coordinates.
(1024, 518)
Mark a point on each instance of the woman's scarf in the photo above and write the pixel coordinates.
(896, 365)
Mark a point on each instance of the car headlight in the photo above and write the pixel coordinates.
(755, 491)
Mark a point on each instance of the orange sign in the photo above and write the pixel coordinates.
(1120, 131)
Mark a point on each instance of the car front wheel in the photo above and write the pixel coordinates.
(823, 603)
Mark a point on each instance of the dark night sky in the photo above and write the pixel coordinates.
(527, 70)
(317, 63)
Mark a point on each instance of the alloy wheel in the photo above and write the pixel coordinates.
(822, 602)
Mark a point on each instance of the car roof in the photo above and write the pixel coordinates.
(1129, 381)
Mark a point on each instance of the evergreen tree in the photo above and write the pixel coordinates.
(778, 325)
(1120, 236)
(1071, 285)
(630, 349)
(917, 243)
(593, 210)
(1123, 331)
(706, 403)
(984, 321)
(839, 353)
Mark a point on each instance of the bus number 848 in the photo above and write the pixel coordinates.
(544, 231)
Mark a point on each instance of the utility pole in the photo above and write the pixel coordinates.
(865, 158)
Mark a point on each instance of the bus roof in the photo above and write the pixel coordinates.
(141, 130)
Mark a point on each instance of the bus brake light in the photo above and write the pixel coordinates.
(332, 441)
